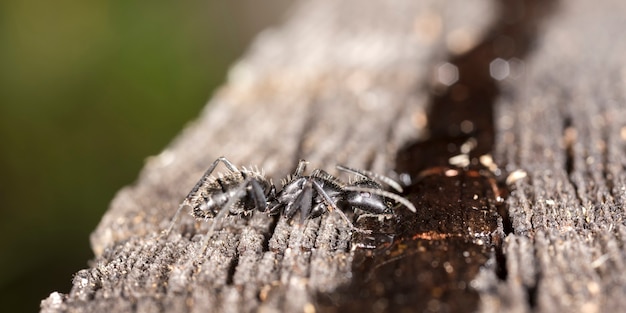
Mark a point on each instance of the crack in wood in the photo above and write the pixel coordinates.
(392, 274)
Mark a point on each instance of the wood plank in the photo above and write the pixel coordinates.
(349, 83)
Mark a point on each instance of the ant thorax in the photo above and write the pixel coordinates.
(308, 195)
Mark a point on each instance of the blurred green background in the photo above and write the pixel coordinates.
(88, 90)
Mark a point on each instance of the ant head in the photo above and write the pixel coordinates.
(365, 198)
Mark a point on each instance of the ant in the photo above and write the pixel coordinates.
(242, 190)
(321, 192)
(214, 197)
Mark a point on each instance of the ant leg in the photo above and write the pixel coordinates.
(302, 203)
(258, 196)
(227, 163)
(195, 188)
(371, 175)
(167, 231)
(209, 171)
(333, 207)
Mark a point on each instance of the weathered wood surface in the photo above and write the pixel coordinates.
(348, 82)
(565, 125)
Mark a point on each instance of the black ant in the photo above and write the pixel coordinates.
(216, 196)
(321, 192)
(242, 190)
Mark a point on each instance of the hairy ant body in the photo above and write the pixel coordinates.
(216, 196)
(242, 190)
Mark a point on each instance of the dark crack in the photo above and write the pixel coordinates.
(569, 138)
(462, 218)
(232, 269)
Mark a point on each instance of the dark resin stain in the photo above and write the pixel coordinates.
(426, 261)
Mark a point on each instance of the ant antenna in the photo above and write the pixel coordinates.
(367, 174)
